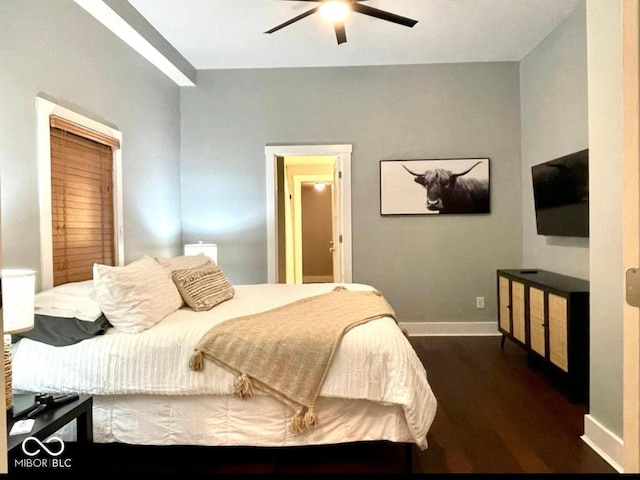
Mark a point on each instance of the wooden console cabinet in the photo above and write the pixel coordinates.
(547, 314)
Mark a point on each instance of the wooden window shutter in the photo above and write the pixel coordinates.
(82, 202)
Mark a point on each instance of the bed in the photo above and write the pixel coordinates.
(146, 391)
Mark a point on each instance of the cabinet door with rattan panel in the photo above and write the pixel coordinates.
(558, 353)
(518, 311)
(504, 307)
(537, 322)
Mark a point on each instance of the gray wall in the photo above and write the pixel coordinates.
(569, 103)
(430, 269)
(555, 118)
(606, 182)
(57, 50)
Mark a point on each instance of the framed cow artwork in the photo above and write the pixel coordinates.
(435, 187)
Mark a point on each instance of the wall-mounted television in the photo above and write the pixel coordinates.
(561, 195)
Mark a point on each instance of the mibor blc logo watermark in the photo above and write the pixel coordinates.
(45, 454)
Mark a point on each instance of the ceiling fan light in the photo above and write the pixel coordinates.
(335, 11)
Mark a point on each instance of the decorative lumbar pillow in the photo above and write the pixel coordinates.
(137, 296)
(183, 262)
(203, 288)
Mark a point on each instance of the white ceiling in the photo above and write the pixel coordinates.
(214, 34)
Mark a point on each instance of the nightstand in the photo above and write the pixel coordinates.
(50, 421)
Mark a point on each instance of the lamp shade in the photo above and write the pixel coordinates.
(18, 299)
(208, 249)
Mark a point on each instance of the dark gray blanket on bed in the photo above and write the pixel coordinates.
(63, 331)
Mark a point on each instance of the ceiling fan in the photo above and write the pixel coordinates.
(341, 9)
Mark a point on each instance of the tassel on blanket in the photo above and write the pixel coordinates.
(244, 387)
(339, 287)
(197, 361)
(305, 421)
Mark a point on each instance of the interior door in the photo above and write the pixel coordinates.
(282, 198)
(631, 246)
(336, 207)
(317, 232)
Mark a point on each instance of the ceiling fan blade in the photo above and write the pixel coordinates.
(341, 34)
(293, 20)
(382, 15)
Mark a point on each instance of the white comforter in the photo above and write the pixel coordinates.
(374, 362)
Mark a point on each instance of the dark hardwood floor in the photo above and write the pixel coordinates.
(495, 415)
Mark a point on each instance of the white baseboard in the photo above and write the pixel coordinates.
(609, 446)
(450, 329)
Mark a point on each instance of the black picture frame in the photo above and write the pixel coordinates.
(447, 186)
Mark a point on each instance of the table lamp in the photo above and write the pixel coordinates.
(208, 249)
(17, 306)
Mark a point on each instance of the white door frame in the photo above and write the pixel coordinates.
(631, 232)
(343, 155)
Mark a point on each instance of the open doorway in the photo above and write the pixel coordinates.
(306, 232)
(292, 173)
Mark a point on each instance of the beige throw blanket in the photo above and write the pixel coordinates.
(286, 352)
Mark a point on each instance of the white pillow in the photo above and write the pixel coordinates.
(184, 262)
(80, 289)
(137, 296)
(70, 300)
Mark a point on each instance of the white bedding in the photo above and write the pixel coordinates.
(228, 421)
(375, 363)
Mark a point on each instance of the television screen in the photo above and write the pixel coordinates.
(561, 195)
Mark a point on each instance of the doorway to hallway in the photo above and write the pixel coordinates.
(292, 171)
